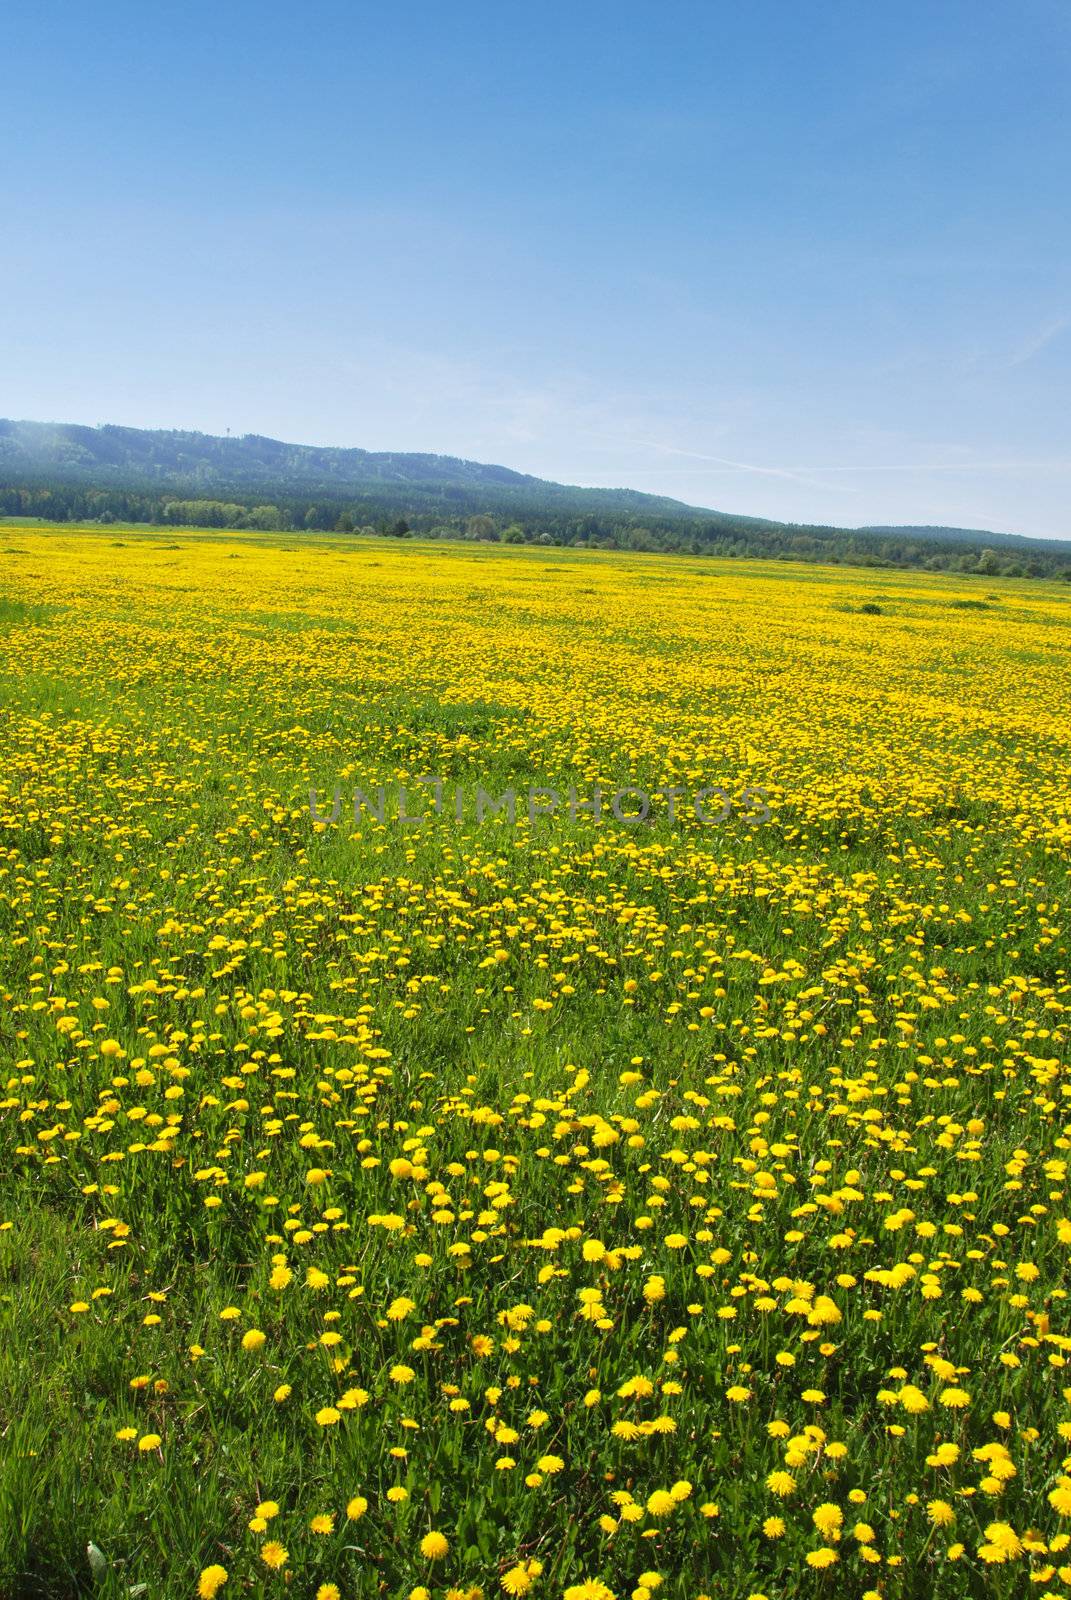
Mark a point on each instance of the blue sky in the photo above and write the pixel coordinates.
(799, 259)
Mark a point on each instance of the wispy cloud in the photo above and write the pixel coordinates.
(806, 474)
(1038, 341)
(967, 468)
(794, 474)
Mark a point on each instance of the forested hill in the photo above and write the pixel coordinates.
(64, 472)
(204, 462)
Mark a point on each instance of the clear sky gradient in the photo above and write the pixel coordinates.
(804, 259)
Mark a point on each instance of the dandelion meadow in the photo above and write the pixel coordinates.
(557, 1208)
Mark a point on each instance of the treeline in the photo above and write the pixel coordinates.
(695, 536)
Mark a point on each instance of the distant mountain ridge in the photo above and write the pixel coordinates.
(175, 459)
(66, 471)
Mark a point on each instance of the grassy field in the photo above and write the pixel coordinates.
(572, 1207)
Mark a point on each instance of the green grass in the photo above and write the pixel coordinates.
(865, 1000)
